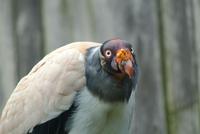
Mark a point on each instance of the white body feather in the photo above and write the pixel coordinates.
(97, 117)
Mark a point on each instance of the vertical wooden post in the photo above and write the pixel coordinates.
(8, 73)
(181, 66)
(29, 34)
(150, 105)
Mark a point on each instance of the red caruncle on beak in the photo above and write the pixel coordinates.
(124, 59)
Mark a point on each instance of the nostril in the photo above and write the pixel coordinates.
(123, 63)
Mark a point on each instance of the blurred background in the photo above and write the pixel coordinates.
(164, 33)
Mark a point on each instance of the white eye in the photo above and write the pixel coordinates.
(132, 51)
(108, 53)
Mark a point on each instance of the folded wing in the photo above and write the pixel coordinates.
(47, 91)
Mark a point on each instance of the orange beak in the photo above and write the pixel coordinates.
(124, 60)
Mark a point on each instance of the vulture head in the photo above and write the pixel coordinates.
(113, 64)
(117, 57)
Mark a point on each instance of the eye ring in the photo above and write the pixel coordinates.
(108, 53)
